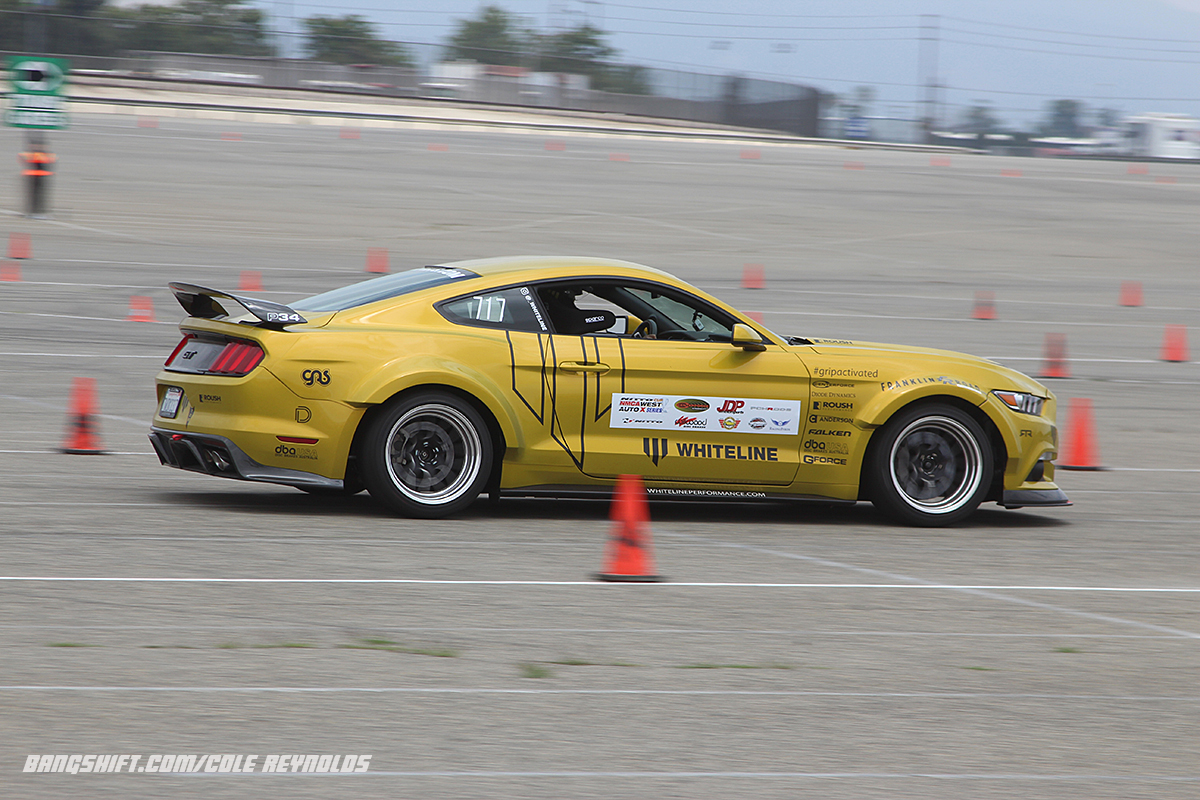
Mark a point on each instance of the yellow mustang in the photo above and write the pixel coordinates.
(554, 376)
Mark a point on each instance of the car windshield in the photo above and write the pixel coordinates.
(360, 294)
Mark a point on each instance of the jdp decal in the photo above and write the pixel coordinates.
(716, 414)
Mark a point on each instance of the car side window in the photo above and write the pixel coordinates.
(513, 309)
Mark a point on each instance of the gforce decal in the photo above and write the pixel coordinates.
(716, 414)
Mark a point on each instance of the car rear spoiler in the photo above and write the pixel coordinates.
(197, 301)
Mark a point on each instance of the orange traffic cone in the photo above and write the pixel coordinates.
(82, 436)
(1131, 293)
(1174, 346)
(1056, 357)
(751, 154)
(756, 316)
(985, 306)
(554, 145)
(250, 281)
(377, 259)
(348, 133)
(753, 277)
(629, 557)
(1081, 452)
(141, 309)
(10, 271)
(19, 245)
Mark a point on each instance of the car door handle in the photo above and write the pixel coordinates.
(583, 366)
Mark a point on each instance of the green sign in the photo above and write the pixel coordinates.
(36, 100)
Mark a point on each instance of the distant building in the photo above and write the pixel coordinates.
(1163, 136)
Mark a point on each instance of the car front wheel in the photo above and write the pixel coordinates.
(427, 455)
(930, 465)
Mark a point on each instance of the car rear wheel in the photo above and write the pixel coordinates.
(930, 465)
(427, 455)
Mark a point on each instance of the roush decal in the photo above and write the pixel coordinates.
(716, 414)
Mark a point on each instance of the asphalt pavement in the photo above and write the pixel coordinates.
(794, 650)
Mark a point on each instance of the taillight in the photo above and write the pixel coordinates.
(186, 338)
(237, 359)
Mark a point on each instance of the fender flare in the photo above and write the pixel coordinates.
(398, 376)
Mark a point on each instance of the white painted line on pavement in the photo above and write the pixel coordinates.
(989, 592)
(924, 586)
(939, 776)
(83, 355)
(472, 690)
(595, 631)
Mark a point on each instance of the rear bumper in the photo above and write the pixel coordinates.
(1019, 498)
(215, 455)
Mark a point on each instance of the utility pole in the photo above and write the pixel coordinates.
(927, 69)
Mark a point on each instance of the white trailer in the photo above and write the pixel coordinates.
(1164, 136)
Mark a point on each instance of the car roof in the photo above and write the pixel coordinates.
(557, 266)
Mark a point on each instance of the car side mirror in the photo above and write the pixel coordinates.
(746, 338)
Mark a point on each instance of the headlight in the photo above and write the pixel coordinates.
(1021, 401)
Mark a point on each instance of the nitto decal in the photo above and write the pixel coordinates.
(311, 376)
(726, 452)
(827, 460)
(691, 404)
(731, 407)
(655, 449)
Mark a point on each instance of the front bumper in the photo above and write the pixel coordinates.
(1019, 498)
(216, 455)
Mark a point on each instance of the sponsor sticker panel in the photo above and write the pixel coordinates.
(698, 413)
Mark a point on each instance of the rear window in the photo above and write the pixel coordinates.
(360, 294)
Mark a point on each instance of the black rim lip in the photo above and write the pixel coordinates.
(968, 461)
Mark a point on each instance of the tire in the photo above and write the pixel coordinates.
(930, 465)
(427, 455)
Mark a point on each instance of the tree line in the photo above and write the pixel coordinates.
(236, 28)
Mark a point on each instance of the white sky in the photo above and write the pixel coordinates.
(1018, 55)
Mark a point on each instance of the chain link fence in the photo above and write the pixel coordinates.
(670, 94)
